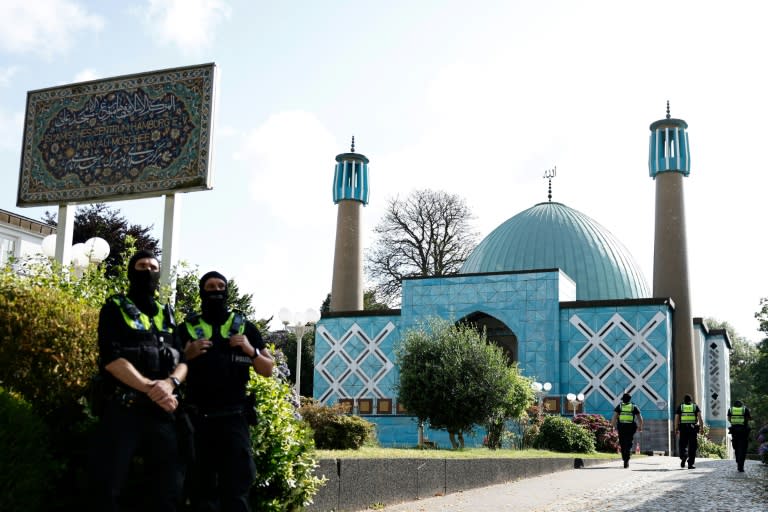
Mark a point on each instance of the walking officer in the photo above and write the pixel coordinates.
(141, 365)
(739, 416)
(221, 347)
(624, 416)
(687, 424)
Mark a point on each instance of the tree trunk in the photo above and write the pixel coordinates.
(461, 439)
(452, 437)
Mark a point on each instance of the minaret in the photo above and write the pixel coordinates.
(668, 162)
(350, 192)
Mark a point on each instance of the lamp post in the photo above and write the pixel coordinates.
(575, 400)
(302, 322)
(541, 391)
(94, 250)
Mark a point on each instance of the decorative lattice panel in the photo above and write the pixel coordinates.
(618, 358)
(354, 365)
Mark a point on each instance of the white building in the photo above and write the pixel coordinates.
(21, 236)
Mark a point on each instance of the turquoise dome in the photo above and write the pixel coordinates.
(551, 235)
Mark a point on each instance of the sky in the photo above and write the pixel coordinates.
(477, 99)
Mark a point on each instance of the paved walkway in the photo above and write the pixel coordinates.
(650, 484)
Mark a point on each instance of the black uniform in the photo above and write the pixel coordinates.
(224, 470)
(627, 427)
(131, 421)
(689, 430)
(739, 416)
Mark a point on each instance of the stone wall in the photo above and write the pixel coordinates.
(355, 484)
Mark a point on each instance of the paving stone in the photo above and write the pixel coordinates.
(650, 484)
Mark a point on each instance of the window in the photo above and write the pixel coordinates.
(7, 248)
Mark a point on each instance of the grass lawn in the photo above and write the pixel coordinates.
(371, 452)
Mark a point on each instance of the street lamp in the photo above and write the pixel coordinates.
(94, 250)
(541, 391)
(302, 322)
(575, 400)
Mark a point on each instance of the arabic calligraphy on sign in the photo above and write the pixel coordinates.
(115, 136)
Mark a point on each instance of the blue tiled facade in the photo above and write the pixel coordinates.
(599, 348)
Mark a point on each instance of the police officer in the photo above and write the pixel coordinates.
(142, 365)
(687, 424)
(221, 346)
(739, 416)
(624, 420)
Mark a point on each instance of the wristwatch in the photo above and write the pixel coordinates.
(256, 353)
(176, 382)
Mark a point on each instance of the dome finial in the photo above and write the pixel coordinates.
(549, 174)
(668, 109)
(353, 144)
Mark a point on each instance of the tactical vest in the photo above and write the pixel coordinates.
(688, 413)
(199, 329)
(626, 413)
(737, 415)
(149, 346)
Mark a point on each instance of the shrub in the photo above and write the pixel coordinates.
(335, 430)
(708, 449)
(529, 425)
(606, 437)
(762, 438)
(562, 435)
(26, 466)
(283, 450)
(47, 344)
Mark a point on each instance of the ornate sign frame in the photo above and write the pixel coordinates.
(126, 137)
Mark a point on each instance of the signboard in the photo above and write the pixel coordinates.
(141, 135)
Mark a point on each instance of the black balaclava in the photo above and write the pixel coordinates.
(214, 303)
(143, 284)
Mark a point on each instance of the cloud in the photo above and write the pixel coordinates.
(6, 74)
(10, 130)
(44, 27)
(188, 24)
(290, 161)
(86, 75)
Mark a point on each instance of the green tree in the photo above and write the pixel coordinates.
(426, 234)
(742, 357)
(454, 378)
(188, 293)
(100, 220)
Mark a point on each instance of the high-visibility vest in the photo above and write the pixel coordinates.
(200, 329)
(626, 413)
(737, 415)
(688, 413)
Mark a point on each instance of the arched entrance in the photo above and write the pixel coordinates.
(497, 332)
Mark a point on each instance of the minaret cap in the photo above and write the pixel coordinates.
(668, 121)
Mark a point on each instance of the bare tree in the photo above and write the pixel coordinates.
(426, 234)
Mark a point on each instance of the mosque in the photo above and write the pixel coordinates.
(558, 292)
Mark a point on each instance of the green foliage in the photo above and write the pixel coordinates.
(333, 429)
(707, 448)
(283, 450)
(286, 342)
(748, 369)
(100, 220)
(26, 466)
(563, 435)
(452, 376)
(187, 294)
(758, 400)
(606, 437)
(48, 345)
